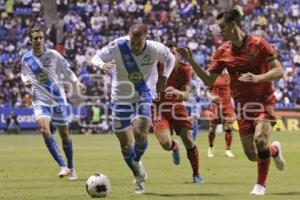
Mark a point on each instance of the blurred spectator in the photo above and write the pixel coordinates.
(12, 124)
(86, 26)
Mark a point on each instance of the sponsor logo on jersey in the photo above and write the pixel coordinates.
(135, 77)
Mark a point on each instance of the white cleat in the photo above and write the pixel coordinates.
(258, 190)
(229, 154)
(64, 171)
(72, 175)
(140, 169)
(279, 160)
(139, 186)
(210, 152)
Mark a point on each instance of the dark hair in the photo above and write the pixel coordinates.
(230, 16)
(170, 43)
(138, 29)
(33, 30)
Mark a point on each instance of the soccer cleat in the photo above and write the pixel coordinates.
(258, 190)
(72, 175)
(139, 186)
(229, 154)
(198, 179)
(175, 153)
(140, 170)
(64, 171)
(279, 160)
(210, 152)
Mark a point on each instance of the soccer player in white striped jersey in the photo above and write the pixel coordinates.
(43, 71)
(134, 86)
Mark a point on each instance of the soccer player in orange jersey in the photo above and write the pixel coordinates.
(222, 112)
(169, 113)
(252, 65)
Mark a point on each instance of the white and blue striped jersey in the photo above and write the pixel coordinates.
(46, 73)
(122, 88)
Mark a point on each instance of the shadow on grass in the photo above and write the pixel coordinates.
(216, 183)
(180, 194)
(285, 193)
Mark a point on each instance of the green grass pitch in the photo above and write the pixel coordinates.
(27, 172)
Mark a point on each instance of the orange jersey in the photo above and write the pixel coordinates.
(221, 88)
(252, 57)
(180, 76)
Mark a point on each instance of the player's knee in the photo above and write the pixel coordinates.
(228, 128)
(251, 154)
(166, 145)
(44, 131)
(260, 142)
(125, 147)
(141, 137)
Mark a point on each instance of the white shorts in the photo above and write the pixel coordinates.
(58, 114)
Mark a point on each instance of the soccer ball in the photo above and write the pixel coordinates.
(98, 185)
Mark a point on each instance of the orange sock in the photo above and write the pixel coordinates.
(263, 164)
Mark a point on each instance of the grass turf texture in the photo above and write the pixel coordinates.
(27, 172)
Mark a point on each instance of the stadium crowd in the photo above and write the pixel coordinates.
(85, 26)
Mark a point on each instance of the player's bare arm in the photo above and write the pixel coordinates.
(207, 77)
(275, 73)
(161, 84)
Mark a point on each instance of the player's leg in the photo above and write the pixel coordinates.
(211, 138)
(126, 141)
(192, 153)
(60, 119)
(141, 126)
(44, 126)
(121, 125)
(162, 131)
(125, 138)
(67, 145)
(43, 118)
(265, 152)
(228, 138)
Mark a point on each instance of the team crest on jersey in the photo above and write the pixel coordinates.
(47, 61)
(146, 58)
(135, 77)
(252, 54)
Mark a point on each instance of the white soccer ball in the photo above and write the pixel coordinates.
(98, 185)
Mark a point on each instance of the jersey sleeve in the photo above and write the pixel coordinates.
(64, 67)
(216, 65)
(104, 55)
(25, 72)
(167, 58)
(267, 52)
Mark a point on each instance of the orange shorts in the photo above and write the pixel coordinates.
(249, 116)
(176, 118)
(220, 114)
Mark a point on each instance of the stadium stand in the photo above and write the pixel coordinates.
(86, 26)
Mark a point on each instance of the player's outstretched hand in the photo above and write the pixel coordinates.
(185, 53)
(249, 77)
(170, 90)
